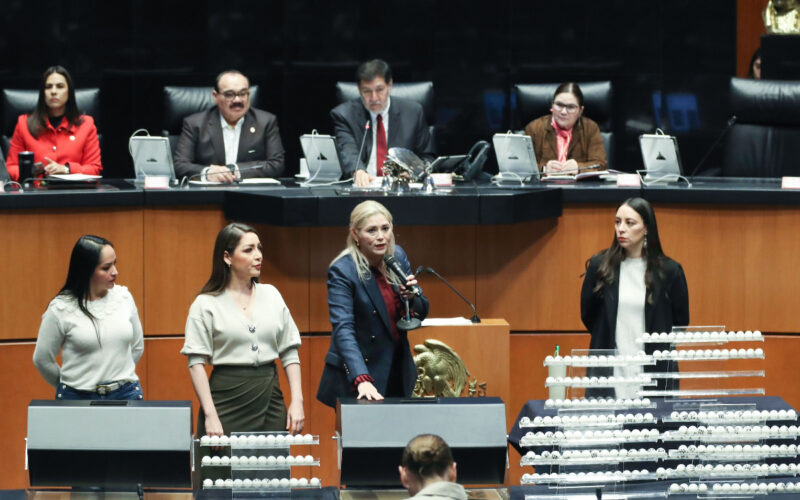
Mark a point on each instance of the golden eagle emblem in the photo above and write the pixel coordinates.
(442, 373)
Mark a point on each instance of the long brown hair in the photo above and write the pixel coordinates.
(227, 241)
(612, 257)
(37, 121)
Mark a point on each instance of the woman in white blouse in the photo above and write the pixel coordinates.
(241, 327)
(95, 325)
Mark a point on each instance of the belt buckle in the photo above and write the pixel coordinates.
(102, 390)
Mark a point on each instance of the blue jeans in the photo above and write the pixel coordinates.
(130, 391)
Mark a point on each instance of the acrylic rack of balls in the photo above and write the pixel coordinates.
(262, 484)
(728, 470)
(745, 489)
(701, 337)
(640, 380)
(639, 358)
(259, 440)
(259, 462)
(597, 437)
(708, 354)
(732, 417)
(587, 421)
(733, 452)
(593, 456)
(588, 477)
(599, 403)
(730, 433)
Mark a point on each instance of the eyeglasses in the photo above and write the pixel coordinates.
(571, 108)
(230, 94)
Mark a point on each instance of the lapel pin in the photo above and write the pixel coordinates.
(252, 130)
(72, 138)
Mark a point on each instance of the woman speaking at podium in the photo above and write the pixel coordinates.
(61, 139)
(565, 140)
(95, 324)
(632, 288)
(369, 356)
(242, 327)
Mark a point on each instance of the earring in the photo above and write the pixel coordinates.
(644, 244)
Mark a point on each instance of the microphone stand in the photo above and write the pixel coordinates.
(422, 270)
(731, 123)
(408, 323)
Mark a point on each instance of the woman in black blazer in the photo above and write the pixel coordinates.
(632, 287)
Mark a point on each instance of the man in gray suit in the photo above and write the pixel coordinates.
(379, 122)
(231, 140)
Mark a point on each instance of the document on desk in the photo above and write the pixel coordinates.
(458, 321)
(74, 177)
(252, 181)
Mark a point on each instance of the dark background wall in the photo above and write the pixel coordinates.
(681, 51)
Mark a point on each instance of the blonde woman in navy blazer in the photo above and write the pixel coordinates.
(368, 356)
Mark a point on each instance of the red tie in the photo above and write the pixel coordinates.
(380, 146)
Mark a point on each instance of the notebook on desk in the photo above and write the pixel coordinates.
(516, 159)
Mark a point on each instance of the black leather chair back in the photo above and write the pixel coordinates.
(535, 100)
(765, 141)
(180, 102)
(17, 102)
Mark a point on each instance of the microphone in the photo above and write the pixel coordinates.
(361, 149)
(421, 270)
(731, 123)
(394, 266)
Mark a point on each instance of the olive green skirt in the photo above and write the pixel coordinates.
(247, 399)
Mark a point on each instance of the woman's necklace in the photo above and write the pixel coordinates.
(247, 296)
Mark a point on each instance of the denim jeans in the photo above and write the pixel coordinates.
(130, 391)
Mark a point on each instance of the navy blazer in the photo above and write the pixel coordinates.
(407, 129)
(361, 340)
(201, 144)
(669, 307)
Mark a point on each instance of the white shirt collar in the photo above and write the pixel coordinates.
(226, 125)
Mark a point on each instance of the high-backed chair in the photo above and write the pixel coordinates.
(15, 102)
(421, 92)
(180, 102)
(765, 141)
(535, 100)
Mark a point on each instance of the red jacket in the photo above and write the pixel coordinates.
(73, 144)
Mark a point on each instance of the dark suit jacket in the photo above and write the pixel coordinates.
(361, 340)
(201, 144)
(670, 308)
(407, 129)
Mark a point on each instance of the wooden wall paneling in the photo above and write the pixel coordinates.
(20, 383)
(530, 273)
(450, 251)
(749, 28)
(321, 418)
(324, 243)
(178, 244)
(37, 248)
(739, 263)
(286, 266)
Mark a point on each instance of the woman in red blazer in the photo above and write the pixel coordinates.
(61, 139)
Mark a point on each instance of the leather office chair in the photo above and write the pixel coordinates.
(535, 99)
(421, 92)
(16, 102)
(765, 141)
(180, 102)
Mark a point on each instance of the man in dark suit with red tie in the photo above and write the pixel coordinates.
(231, 140)
(396, 122)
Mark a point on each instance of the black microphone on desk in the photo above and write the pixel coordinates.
(731, 123)
(394, 266)
(421, 270)
(361, 149)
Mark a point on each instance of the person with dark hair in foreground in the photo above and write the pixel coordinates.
(95, 324)
(428, 470)
(379, 122)
(242, 327)
(631, 288)
(62, 140)
(565, 140)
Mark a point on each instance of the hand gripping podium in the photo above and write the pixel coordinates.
(372, 435)
(113, 444)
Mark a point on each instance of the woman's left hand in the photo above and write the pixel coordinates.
(52, 167)
(570, 166)
(405, 292)
(295, 418)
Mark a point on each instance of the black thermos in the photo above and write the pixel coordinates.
(25, 165)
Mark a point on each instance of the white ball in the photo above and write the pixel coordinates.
(262, 460)
(293, 482)
(309, 459)
(219, 483)
(235, 460)
(216, 460)
(214, 441)
(303, 482)
(205, 440)
(314, 481)
(281, 460)
(284, 482)
(274, 482)
(208, 482)
(290, 460)
(225, 460)
(271, 460)
(290, 439)
(206, 460)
